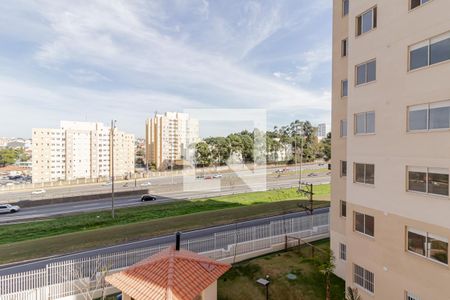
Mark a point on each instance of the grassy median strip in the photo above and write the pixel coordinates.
(92, 230)
(112, 235)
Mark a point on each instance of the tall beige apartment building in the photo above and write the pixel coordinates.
(390, 223)
(168, 137)
(80, 150)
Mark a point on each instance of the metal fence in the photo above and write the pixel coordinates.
(84, 275)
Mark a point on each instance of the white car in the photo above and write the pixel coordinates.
(146, 184)
(218, 176)
(107, 183)
(8, 208)
(38, 192)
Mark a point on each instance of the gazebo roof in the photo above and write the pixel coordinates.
(170, 274)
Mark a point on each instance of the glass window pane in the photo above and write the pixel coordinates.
(359, 222)
(359, 173)
(345, 7)
(370, 122)
(360, 123)
(361, 74)
(371, 71)
(438, 250)
(417, 181)
(438, 184)
(418, 119)
(415, 3)
(343, 128)
(367, 21)
(416, 243)
(370, 174)
(440, 117)
(343, 208)
(370, 225)
(343, 168)
(344, 88)
(440, 51)
(418, 58)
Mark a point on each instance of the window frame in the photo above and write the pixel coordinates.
(344, 47)
(364, 279)
(365, 73)
(344, 14)
(427, 171)
(365, 113)
(374, 10)
(427, 42)
(420, 5)
(343, 208)
(342, 127)
(342, 251)
(365, 173)
(341, 171)
(342, 88)
(427, 235)
(364, 224)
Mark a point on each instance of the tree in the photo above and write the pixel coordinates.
(202, 154)
(352, 294)
(9, 156)
(326, 147)
(327, 267)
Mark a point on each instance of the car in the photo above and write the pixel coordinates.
(107, 183)
(38, 192)
(218, 176)
(8, 208)
(9, 184)
(208, 177)
(199, 176)
(146, 183)
(148, 198)
(312, 175)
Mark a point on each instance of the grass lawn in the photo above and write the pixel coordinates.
(92, 230)
(240, 282)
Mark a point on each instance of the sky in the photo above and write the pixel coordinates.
(97, 60)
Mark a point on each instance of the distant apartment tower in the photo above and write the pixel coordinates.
(390, 204)
(321, 130)
(79, 150)
(168, 138)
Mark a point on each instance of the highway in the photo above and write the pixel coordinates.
(41, 263)
(165, 192)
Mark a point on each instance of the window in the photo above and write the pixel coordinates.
(366, 21)
(343, 208)
(344, 88)
(417, 3)
(344, 47)
(429, 52)
(363, 278)
(428, 180)
(410, 296)
(364, 173)
(364, 224)
(428, 245)
(429, 116)
(342, 251)
(343, 128)
(345, 7)
(366, 72)
(343, 168)
(365, 122)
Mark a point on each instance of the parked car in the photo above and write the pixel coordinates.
(148, 183)
(199, 176)
(312, 175)
(107, 183)
(148, 198)
(38, 192)
(208, 177)
(218, 176)
(8, 208)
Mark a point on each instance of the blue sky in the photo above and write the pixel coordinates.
(101, 59)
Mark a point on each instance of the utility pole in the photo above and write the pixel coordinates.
(113, 127)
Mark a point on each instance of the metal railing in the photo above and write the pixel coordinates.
(80, 276)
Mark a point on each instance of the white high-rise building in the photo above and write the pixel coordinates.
(168, 137)
(321, 130)
(80, 150)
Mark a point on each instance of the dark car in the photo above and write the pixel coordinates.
(148, 198)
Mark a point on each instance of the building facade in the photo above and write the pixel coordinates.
(390, 222)
(80, 150)
(321, 131)
(168, 138)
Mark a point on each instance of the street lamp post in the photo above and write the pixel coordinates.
(265, 282)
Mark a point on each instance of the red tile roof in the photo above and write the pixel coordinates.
(170, 274)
